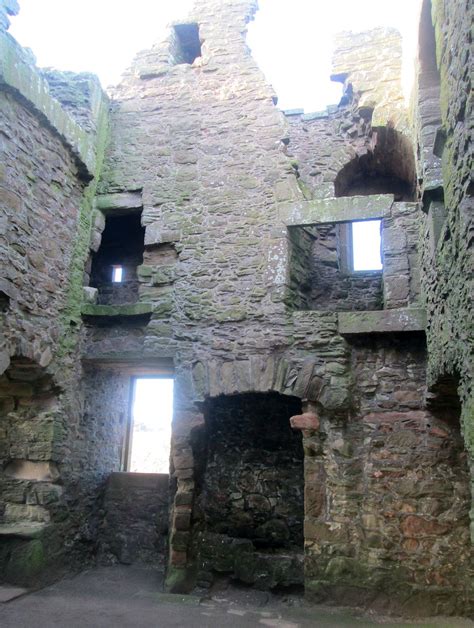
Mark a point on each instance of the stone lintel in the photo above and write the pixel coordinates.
(125, 480)
(119, 202)
(132, 362)
(18, 75)
(315, 115)
(383, 321)
(341, 209)
(22, 530)
(128, 309)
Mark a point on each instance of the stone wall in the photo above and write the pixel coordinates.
(214, 164)
(250, 496)
(240, 208)
(389, 524)
(447, 255)
(134, 518)
(47, 159)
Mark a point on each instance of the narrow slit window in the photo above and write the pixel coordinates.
(150, 426)
(117, 274)
(366, 245)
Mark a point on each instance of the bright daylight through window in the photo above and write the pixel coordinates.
(366, 244)
(150, 433)
(117, 273)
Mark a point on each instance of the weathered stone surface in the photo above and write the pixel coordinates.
(379, 83)
(306, 421)
(133, 309)
(120, 201)
(385, 321)
(240, 279)
(90, 295)
(335, 209)
(10, 593)
(135, 519)
(19, 74)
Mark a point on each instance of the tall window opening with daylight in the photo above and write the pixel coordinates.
(149, 437)
(366, 245)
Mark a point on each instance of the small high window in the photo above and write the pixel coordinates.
(336, 267)
(366, 245)
(186, 46)
(117, 274)
(114, 265)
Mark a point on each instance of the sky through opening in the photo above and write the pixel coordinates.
(291, 41)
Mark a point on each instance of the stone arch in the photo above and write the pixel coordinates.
(305, 377)
(22, 350)
(388, 167)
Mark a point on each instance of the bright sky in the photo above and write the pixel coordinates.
(151, 435)
(291, 41)
(366, 243)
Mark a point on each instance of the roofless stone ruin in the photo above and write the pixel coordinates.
(185, 227)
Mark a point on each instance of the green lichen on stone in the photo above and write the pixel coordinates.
(388, 321)
(74, 299)
(128, 309)
(27, 560)
(178, 580)
(17, 72)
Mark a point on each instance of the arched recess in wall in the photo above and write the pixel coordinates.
(384, 247)
(29, 474)
(387, 168)
(249, 508)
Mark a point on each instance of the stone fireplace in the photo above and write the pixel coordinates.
(249, 506)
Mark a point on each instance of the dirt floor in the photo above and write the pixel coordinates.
(123, 597)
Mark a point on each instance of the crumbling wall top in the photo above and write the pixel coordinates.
(371, 62)
(7, 7)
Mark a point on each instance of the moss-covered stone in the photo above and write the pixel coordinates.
(129, 309)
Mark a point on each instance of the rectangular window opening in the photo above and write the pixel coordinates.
(117, 274)
(366, 245)
(187, 45)
(149, 439)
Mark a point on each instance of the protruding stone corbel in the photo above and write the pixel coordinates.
(308, 421)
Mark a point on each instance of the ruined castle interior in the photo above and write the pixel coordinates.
(183, 228)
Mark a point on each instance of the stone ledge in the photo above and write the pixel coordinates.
(383, 321)
(127, 479)
(22, 530)
(115, 311)
(340, 209)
